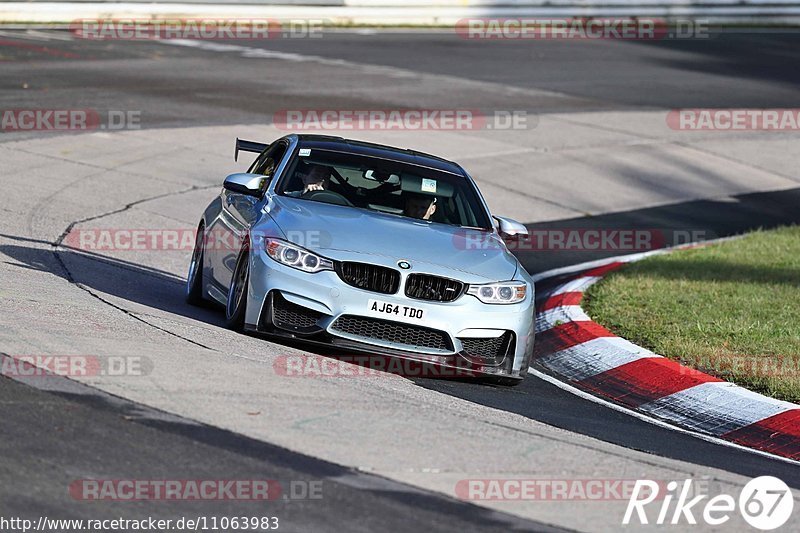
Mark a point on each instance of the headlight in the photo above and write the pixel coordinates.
(506, 292)
(296, 257)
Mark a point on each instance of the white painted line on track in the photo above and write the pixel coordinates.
(34, 35)
(50, 35)
(393, 72)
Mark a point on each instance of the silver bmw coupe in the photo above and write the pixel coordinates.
(369, 248)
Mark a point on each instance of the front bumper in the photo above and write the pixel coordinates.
(278, 295)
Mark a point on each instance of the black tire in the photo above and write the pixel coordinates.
(237, 293)
(194, 281)
(506, 381)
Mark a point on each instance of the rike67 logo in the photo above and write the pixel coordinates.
(765, 503)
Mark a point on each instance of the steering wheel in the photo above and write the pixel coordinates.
(328, 197)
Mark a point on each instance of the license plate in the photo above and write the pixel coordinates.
(396, 312)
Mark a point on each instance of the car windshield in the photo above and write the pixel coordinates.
(385, 186)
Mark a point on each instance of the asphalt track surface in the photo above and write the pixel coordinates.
(64, 435)
(741, 69)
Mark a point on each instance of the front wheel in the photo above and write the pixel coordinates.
(194, 281)
(237, 294)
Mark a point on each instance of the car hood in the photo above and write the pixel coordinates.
(347, 233)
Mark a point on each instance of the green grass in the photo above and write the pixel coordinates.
(731, 309)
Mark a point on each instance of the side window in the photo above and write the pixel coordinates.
(269, 160)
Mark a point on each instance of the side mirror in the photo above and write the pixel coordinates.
(244, 183)
(509, 227)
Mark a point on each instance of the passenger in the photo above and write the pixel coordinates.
(419, 206)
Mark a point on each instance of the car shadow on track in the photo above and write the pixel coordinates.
(108, 278)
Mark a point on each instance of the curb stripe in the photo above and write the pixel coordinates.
(580, 351)
(633, 413)
(568, 335)
(778, 434)
(561, 300)
(644, 380)
(579, 284)
(593, 357)
(560, 315)
(602, 270)
(715, 408)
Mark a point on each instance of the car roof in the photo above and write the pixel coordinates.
(403, 155)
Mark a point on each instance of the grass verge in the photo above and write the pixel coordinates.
(730, 309)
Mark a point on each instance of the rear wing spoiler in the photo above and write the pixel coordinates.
(248, 146)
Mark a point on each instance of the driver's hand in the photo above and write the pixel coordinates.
(313, 187)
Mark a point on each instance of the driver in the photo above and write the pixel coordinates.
(318, 178)
(419, 206)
